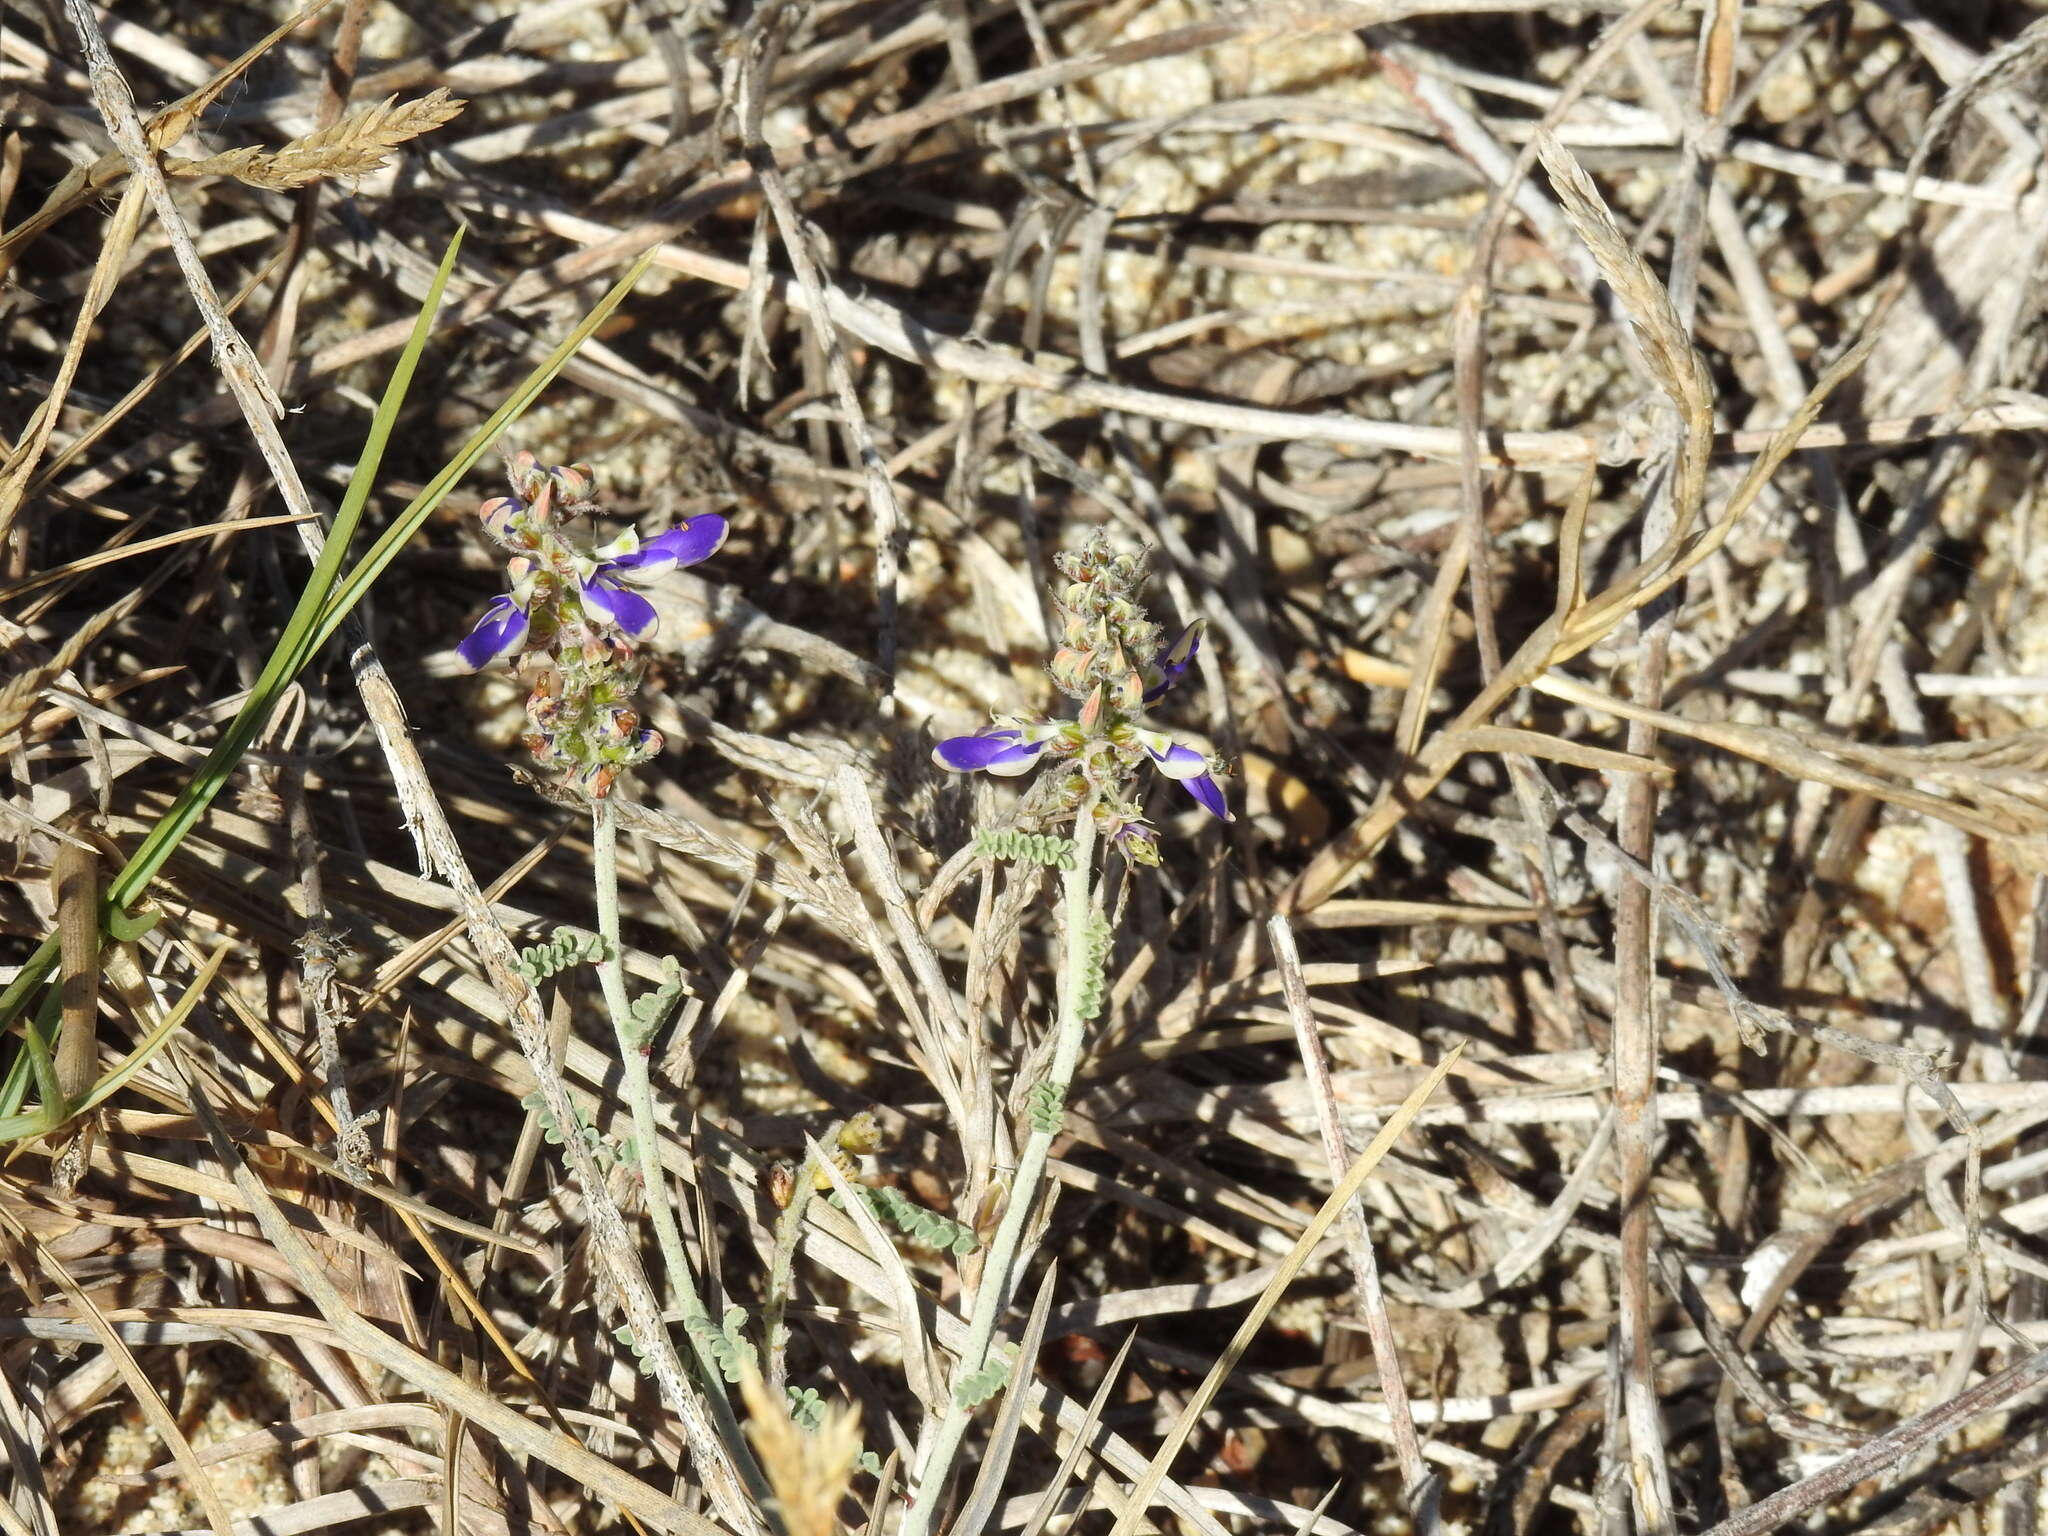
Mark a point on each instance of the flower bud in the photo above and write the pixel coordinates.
(1090, 718)
(1070, 669)
(504, 520)
(576, 482)
(524, 471)
(861, 1134)
(988, 1213)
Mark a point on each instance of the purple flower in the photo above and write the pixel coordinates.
(1172, 663)
(630, 559)
(601, 577)
(1014, 749)
(498, 633)
(1007, 751)
(1189, 768)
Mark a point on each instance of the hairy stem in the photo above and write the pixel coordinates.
(634, 1056)
(1011, 1252)
(788, 1230)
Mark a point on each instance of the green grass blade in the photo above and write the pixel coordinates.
(138, 1058)
(40, 1122)
(302, 637)
(407, 523)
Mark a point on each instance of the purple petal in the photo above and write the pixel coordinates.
(498, 633)
(625, 611)
(684, 544)
(1173, 662)
(1177, 761)
(1209, 794)
(1002, 752)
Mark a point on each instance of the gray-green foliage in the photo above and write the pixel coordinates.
(726, 1343)
(650, 1009)
(601, 1149)
(1032, 847)
(1045, 1107)
(565, 948)
(977, 1387)
(1089, 986)
(926, 1228)
(624, 1334)
(806, 1407)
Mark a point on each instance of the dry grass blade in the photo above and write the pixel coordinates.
(1042, 1514)
(441, 1385)
(920, 1369)
(1667, 346)
(147, 1398)
(1334, 1207)
(20, 464)
(1358, 1239)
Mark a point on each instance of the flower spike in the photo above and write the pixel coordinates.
(573, 618)
(1112, 662)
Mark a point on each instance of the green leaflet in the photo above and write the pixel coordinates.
(644, 1017)
(1090, 985)
(927, 1228)
(806, 1407)
(565, 948)
(977, 1387)
(726, 1343)
(1031, 847)
(1046, 1108)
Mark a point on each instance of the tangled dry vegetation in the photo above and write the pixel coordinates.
(1601, 441)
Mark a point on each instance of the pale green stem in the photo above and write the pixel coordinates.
(1010, 1252)
(788, 1229)
(634, 1055)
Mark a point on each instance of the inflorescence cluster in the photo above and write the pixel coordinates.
(572, 619)
(1114, 661)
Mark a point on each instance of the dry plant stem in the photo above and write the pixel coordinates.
(116, 103)
(1952, 859)
(634, 1055)
(511, 1427)
(1635, 1093)
(1675, 504)
(1415, 1477)
(1009, 1253)
(1887, 1450)
(881, 493)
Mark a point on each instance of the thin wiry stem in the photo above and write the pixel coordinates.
(1010, 1252)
